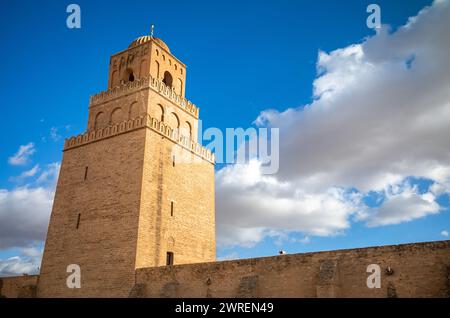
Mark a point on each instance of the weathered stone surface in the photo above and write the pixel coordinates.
(421, 270)
(125, 196)
(138, 291)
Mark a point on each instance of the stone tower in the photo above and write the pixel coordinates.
(136, 189)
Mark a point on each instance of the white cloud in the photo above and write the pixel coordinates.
(380, 114)
(25, 211)
(26, 174)
(27, 263)
(49, 176)
(251, 206)
(54, 134)
(404, 206)
(444, 233)
(21, 157)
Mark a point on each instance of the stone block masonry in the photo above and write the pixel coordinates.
(408, 270)
(416, 270)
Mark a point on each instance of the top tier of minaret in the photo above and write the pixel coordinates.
(147, 55)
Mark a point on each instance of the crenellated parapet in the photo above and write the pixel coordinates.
(137, 123)
(147, 82)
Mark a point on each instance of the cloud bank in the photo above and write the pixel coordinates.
(380, 115)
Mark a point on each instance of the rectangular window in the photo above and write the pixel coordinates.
(78, 220)
(171, 208)
(169, 260)
(85, 173)
(173, 161)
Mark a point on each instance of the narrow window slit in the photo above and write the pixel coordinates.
(78, 220)
(169, 259)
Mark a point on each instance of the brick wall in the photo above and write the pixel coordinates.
(419, 270)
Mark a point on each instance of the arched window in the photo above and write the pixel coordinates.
(128, 76)
(167, 79)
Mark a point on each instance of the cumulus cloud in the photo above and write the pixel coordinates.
(444, 233)
(27, 263)
(404, 206)
(380, 114)
(25, 210)
(21, 157)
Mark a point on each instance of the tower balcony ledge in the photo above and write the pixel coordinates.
(156, 85)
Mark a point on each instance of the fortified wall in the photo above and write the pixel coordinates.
(408, 270)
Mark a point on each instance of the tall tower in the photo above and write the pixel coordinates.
(136, 189)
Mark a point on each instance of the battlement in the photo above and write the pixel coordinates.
(147, 82)
(137, 123)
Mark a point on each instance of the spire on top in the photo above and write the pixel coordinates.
(152, 29)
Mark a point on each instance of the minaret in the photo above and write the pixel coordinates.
(135, 190)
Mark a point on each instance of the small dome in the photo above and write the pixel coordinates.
(147, 38)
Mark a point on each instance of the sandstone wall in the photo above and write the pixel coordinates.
(94, 222)
(20, 286)
(417, 270)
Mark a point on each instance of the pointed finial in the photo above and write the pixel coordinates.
(152, 29)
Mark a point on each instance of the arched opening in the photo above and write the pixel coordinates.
(167, 79)
(128, 75)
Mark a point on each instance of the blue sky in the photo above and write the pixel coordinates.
(243, 58)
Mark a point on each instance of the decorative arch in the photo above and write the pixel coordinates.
(156, 73)
(100, 120)
(180, 87)
(170, 242)
(173, 121)
(117, 116)
(187, 129)
(159, 113)
(143, 69)
(135, 110)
